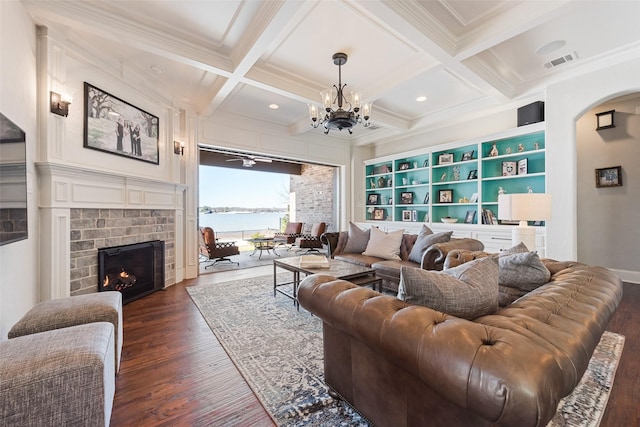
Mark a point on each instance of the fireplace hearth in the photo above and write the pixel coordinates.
(135, 270)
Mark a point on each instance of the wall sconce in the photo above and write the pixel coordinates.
(605, 120)
(178, 148)
(60, 103)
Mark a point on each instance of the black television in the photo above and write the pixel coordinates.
(13, 182)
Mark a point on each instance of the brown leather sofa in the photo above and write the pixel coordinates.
(406, 365)
(389, 270)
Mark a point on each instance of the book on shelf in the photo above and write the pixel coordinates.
(314, 261)
(488, 217)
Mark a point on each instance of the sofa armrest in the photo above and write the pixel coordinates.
(434, 257)
(335, 241)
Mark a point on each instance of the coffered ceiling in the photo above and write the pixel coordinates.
(239, 57)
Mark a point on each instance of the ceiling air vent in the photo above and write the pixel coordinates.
(561, 60)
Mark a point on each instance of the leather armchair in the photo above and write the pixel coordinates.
(312, 242)
(217, 251)
(288, 237)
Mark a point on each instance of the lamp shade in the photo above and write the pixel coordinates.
(524, 207)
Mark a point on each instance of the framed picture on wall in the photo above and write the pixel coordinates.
(609, 177)
(116, 127)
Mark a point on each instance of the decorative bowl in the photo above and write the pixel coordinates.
(449, 220)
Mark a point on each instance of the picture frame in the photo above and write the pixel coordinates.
(473, 174)
(379, 214)
(414, 215)
(445, 196)
(406, 215)
(523, 166)
(605, 120)
(425, 164)
(473, 198)
(426, 199)
(373, 199)
(404, 166)
(609, 177)
(114, 126)
(445, 158)
(468, 155)
(509, 168)
(470, 217)
(406, 198)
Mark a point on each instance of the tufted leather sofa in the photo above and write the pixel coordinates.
(406, 365)
(389, 270)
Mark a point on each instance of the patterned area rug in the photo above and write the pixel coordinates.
(278, 350)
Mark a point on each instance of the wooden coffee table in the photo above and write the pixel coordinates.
(357, 274)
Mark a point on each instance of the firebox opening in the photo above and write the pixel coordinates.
(135, 270)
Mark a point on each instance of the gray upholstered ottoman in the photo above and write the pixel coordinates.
(64, 377)
(71, 311)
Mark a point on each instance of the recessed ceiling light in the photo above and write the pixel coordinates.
(156, 69)
(421, 98)
(274, 106)
(550, 47)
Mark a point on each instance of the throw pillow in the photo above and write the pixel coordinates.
(467, 291)
(524, 271)
(424, 242)
(517, 249)
(357, 241)
(384, 245)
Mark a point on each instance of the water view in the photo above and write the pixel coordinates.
(241, 225)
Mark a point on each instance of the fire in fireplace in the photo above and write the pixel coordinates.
(135, 270)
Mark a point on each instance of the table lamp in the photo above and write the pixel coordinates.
(524, 207)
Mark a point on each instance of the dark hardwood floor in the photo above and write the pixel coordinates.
(175, 373)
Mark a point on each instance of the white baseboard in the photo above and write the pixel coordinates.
(628, 276)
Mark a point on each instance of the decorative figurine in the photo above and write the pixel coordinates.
(372, 183)
(529, 190)
(382, 182)
(508, 150)
(494, 151)
(501, 190)
(536, 146)
(443, 177)
(456, 173)
(520, 148)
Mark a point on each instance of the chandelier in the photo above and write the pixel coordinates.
(337, 115)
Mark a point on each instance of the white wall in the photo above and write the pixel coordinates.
(608, 226)
(18, 261)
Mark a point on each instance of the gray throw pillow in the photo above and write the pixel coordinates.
(524, 271)
(517, 249)
(424, 242)
(384, 245)
(357, 241)
(467, 291)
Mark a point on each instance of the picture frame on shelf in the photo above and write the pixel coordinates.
(406, 215)
(523, 166)
(468, 155)
(509, 168)
(473, 198)
(445, 159)
(414, 215)
(390, 201)
(373, 199)
(473, 174)
(425, 164)
(379, 214)
(609, 177)
(445, 196)
(406, 198)
(404, 166)
(426, 198)
(470, 217)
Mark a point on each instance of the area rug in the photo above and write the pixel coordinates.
(278, 350)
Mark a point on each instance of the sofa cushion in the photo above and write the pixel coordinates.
(390, 269)
(517, 249)
(384, 245)
(524, 271)
(358, 259)
(358, 239)
(467, 291)
(424, 241)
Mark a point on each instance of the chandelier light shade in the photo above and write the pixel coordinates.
(340, 112)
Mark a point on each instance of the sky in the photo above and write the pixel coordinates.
(247, 188)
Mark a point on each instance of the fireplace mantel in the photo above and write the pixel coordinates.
(63, 187)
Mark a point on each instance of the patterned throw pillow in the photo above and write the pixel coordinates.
(524, 271)
(424, 242)
(357, 241)
(384, 245)
(467, 291)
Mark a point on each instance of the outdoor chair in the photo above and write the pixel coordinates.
(311, 242)
(288, 237)
(217, 251)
